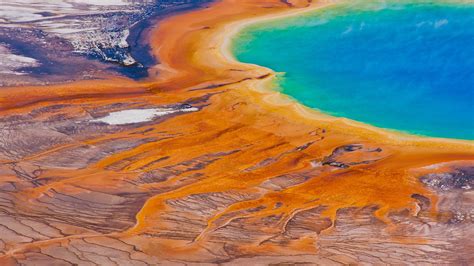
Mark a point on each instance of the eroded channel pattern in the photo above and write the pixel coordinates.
(204, 170)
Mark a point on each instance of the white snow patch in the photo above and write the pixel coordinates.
(133, 116)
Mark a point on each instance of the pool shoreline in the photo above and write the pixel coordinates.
(231, 33)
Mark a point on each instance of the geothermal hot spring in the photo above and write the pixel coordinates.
(402, 66)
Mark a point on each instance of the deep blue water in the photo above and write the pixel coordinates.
(403, 66)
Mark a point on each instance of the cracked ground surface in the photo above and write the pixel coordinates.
(237, 181)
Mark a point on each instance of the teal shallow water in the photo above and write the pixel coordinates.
(405, 66)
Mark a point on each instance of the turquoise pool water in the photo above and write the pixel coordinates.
(406, 66)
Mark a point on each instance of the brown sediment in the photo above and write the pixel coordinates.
(251, 177)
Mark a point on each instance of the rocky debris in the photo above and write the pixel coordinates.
(44, 38)
(459, 217)
(53, 58)
(455, 189)
(92, 29)
(459, 179)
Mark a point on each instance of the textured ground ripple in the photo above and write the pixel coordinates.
(223, 176)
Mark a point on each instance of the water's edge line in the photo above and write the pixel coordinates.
(231, 31)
